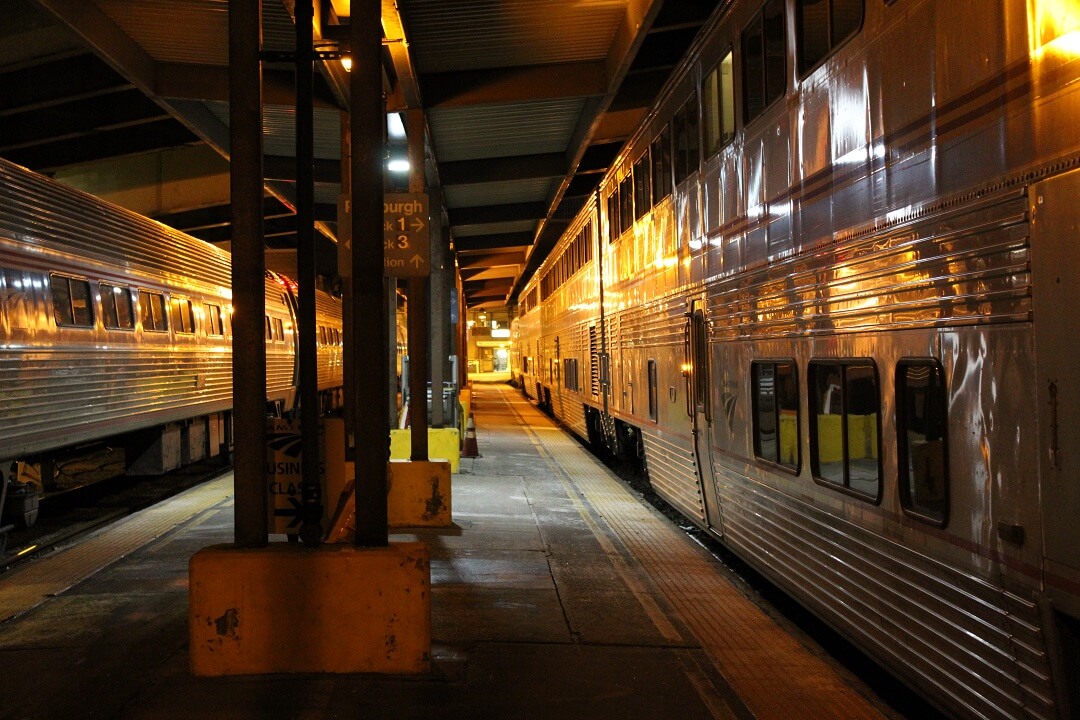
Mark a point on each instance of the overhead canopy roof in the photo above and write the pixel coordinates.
(526, 103)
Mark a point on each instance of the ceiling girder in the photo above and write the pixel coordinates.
(503, 169)
(58, 81)
(487, 214)
(127, 140)
(514, 84)
(491, 242)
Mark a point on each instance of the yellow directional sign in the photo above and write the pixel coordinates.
(406, 235)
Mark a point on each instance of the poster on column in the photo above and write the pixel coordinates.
(284, 447)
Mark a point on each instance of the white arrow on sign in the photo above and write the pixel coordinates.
(417, 224)
(417, 261)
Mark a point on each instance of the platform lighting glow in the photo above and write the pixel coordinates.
(400, 166)
(346, 62)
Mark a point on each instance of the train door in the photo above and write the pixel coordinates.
(699, 408)
(1055, 230)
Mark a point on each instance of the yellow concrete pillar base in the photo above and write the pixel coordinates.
(291, 609)
(443, 444)
(419, 494)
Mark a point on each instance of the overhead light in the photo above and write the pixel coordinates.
(399, 166)
(346, 62)
(394, 127)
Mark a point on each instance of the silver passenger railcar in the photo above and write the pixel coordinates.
(837, 269)
(111, 323)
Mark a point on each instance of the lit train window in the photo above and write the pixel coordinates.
(613, 216)
(661, 165)
(216, 326)
(921, 420)
(626, 203)
(183, 317)
(71, 302)
(322, 335)
(686, 140)
(822, 26)
(718, 104)
(764, 53)
(269, 331)
(845, 438)
(775, 396)
(116, 308)
(152, 311)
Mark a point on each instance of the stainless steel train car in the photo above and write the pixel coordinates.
(828, 298)
(111, 323)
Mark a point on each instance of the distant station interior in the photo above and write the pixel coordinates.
(540, 359)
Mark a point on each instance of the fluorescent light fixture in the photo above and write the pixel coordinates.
(399, 166)
(394, 127)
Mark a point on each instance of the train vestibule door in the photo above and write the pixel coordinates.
(697, 370)
(1054, 234)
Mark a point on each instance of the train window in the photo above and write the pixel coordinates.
(718, 101)
(686, 140)
(764, 51)
(71, 302)
(661, 166)
(642, 187)
(613, 215)
(922, 450)
(269, 331)
(216, 326)
(152, 311)
(279, 330)
(822, 26)
(845, 445)
(116, 308)
(775, 397)
(653, 400)
(337, 336)
(626, 203)
(17, 299)
(183, 318)
(322, 335)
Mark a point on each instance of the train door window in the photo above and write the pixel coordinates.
(845, 445)
(686, 140)
(116, 308)
(152, 311)
(653, 400)
(216, 327)
(626, 203)
(337, 336)
(269, 331)
(183, 318)
(718, 105)
(642, 187)
(71, 302)
(922, 450)
(822, 26)
(764, 52)
(661, 165)
(775, 397)
(322, 335)
(16, 299)
(279, 330)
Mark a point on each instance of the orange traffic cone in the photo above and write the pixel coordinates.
(470, 450)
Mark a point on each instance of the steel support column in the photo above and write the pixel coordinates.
(369, 332)
(311, 484)
(440, 316)
(418, 307)
(248, 272)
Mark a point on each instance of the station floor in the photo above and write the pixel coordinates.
(558, 593)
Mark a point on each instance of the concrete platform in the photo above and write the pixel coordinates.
(556, 594)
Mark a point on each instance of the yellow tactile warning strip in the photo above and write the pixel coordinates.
(773, 674)
(32, 584)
